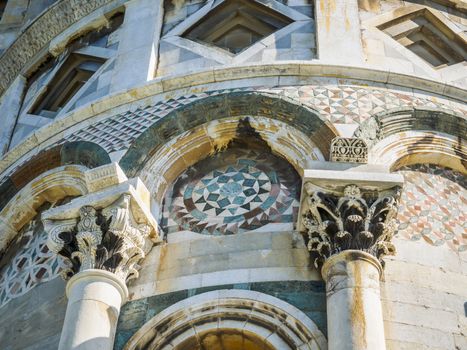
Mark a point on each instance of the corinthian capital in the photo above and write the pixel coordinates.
(111, 229)
(107, 239)
(349, 210)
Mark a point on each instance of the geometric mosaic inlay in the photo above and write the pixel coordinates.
(434, 206)
(232, 192)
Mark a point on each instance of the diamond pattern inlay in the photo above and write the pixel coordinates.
(434, 206)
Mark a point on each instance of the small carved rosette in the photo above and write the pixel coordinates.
(107, 239)
(355, 219)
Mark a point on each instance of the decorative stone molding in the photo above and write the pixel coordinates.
(354, 219)
(349, 210)
(107, 239)
(244, 310)
(34, 38)
(369, 131)
(353, 150)
(111, 229)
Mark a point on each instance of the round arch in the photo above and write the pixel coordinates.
(418, 147)
(84, 153)
(51, 186)
(240, 315)
(217, 111)
(416, 135)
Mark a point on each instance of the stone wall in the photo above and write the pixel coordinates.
(425, 285)
(424, 295)
(191, 260)
(334, 70)
(294, 42)
(382, 50)
(34, 320)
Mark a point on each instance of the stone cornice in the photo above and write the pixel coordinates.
(57, 18)
(39, 33)
(52, 132)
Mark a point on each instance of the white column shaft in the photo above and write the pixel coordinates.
(354, 313)
(94, 300)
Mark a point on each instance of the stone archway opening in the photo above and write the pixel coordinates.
(229, 320)
(225, 339)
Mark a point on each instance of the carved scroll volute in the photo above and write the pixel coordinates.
(107, 239)
(352, 219)
(130, 237)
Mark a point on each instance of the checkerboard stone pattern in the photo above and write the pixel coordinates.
(338, 104)
(434, 206)
(347, 104)
(232, 192)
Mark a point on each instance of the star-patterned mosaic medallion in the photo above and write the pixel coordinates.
(232, 192)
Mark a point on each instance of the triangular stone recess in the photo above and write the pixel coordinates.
(236, 24)
(426, 36)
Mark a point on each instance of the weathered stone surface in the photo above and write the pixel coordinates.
(35, 319)
(207, 261)
(39, 33)
(308, 82)
(345, 210)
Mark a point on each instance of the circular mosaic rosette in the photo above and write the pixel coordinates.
(234, 192)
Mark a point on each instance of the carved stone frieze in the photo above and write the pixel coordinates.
(353, 150)
(35, 37)
(354, 218)
(108, 238)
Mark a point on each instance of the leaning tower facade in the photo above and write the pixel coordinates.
(233, 174)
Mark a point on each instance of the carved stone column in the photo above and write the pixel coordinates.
(102, 235)
(348, 217)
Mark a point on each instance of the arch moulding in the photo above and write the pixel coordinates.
(52, 186)
(416, 135)
(204, 127)
(273, 321)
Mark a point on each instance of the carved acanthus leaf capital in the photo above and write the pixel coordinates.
(108, 238)
(353, 218)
